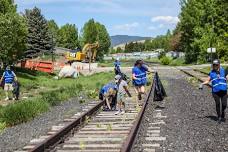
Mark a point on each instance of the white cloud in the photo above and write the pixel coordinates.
(165, 19)
(127, 27)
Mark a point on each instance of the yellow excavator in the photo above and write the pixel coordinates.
(88, 52)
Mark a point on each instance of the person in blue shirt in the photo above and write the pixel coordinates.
(117, 66)
(8, 77)
(139, 76)
(218, 78)
(107, 93)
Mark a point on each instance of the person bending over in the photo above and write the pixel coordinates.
(107, 93)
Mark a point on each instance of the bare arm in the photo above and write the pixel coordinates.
(133, 76)
(207, 81)
(2, 77)
(15, 77)
(107, 102)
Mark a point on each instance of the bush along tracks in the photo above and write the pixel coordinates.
(60, 91)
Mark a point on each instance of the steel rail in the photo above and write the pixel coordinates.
(61, 134)
(129, 142)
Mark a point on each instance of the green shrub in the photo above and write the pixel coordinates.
(2, 126)
(93, 94)
(52, 97)
(29, 86)
(177, 62)
(23, 111)
(165, 60)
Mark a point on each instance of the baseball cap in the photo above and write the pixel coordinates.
(117, 78)
(216, 62)
(8, 67)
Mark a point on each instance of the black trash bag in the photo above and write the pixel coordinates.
(16, 90)
(159, 91)
(114, 102)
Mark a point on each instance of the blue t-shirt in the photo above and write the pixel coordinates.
(140, 74)
(106, 88)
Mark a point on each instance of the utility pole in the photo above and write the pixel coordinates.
(212, 39)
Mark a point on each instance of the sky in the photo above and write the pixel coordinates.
(121, 17)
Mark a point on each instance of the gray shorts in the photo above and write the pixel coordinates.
(120, 97)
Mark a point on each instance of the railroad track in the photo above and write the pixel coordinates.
(197, 74)
(94, 130)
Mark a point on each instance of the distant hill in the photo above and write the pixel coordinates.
(121, 39)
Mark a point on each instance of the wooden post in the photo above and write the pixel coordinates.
(90, 60)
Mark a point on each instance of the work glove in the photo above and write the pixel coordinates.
(201, 86)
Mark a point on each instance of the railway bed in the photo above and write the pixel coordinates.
(94, 130)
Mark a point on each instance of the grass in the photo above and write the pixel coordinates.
(172, 62)
(44, 92)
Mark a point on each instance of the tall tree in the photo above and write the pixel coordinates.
(68, 36)
(95, 32)
(53, 29)
(90, 32)
(103, 39)
(203, 24)
(39, 38)
(13, 33)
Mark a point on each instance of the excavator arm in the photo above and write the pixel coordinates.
(90, 47)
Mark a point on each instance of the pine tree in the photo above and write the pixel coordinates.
(39, 38)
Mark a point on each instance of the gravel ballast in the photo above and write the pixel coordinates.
(190, 125)
(16, 137)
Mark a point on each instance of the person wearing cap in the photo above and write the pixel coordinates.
(8, 77)
(117, 66)
(218, 77)
(139, 76)
(107, 93)
(122, 90)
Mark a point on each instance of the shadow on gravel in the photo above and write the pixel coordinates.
(212, 118)
(159, 107)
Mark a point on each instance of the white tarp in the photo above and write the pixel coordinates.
(68, 71)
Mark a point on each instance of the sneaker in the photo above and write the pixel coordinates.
(223, 119)
(122, 112)
(118, 112)
(139, 96)
(219, 120)
(6, 99)
(223, 114)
